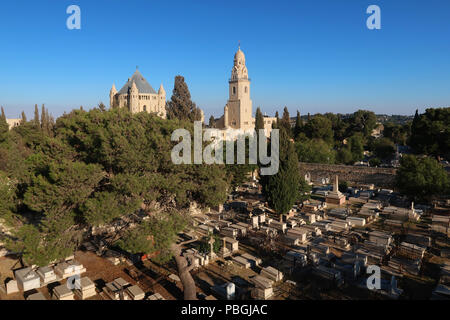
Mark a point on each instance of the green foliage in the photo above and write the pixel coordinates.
(430, 132)
(39, 250)
(384, 148)
(362, 121)
(353, 151)
(343, 186)
(181, 106)
(334, 129)
(422, 178)
(319, 127)
(101, 106)
(24, 118)
(238, 173)
(91, 168)
(64, 187)
(286, 122)
(212, 122)
(259, 120)
(340, 127)
(155, 236)
(205, 247)
(276, 123)
(7, 196)
(345, 156)
(104, 207)
(298, 128)
(397, 133)
(374, 162)
(356, 145)
(314, 151)
(284, 188)
(3, 127)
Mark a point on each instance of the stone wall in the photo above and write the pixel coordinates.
(380, 177)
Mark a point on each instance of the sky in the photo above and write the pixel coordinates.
(311, 56)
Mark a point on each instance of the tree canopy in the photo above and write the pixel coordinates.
(287, 186)
(422, 178)
(430, 132)
(90, 169)
(181, 106)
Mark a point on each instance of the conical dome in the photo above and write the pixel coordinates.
(161, 90)
(133, 87)
(239, 57)
(140, 82)
(113, 89)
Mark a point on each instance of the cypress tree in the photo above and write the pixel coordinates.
(259, 120)
(180, 105)
(3, 116)
(298, 125)
(286, 121)
(277, 121)
(24, 118)
(259, 124)
(36, 116)
(212, 122)
(43, 119)
(4, 127)
(415, 121)
(49, 119)
(283, 189)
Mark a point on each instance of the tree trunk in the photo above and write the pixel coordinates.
(189, 288)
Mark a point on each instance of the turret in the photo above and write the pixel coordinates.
(162, 102)
(112, 94)
(134, 98)
(161, 90)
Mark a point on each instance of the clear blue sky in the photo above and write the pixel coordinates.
(316, 56)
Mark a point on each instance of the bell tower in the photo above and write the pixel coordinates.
(239, 103)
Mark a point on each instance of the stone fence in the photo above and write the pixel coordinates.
(380, 177)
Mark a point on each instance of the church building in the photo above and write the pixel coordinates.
(238, 110)
(138, 95)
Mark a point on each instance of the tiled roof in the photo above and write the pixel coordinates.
(142, 84)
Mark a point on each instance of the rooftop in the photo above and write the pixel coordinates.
(142, 84)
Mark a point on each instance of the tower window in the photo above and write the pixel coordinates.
(234, 90)
(246, 89)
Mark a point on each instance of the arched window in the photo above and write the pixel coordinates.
(234, 90)
(246, 89)
(145, 108)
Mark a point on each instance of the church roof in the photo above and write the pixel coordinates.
(142, 84)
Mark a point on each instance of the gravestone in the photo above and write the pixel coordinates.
(11, 287)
